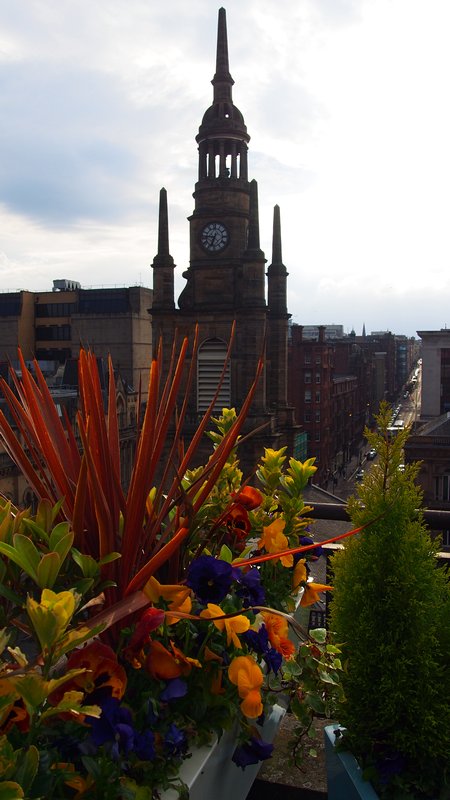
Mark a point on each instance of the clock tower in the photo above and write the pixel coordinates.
(226, 278)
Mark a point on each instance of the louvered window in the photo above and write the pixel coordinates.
(211, 358)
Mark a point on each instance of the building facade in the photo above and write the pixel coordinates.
(226, 282)
(52, 326)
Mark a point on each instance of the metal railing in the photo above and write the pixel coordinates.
(436, 519)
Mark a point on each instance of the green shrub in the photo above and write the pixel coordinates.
(390, 612)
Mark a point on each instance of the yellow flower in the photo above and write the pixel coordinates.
(311, 594)
(178, 597)
(274, 541)
(300, 574)
(247, 676)
(232, 625)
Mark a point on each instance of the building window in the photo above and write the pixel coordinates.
(53, 333)
(317, 377)
(307, 377)
(442, 488)
(317, 416)
(317, 397)
(307, 416)
(55, 309)
(317, 436)
(211, 360)
(318, 359)
(307, 396)
(307, 358)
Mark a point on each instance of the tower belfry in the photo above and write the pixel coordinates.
(226, 278)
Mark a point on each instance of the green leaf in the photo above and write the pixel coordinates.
(28, 552)
(63, 545)
(315, 702)
(10, 552)
(319, 635)
(327, 677)
(109, 557)
(8, 594)
(27, 767)
(58, 533)
(48, 569)
(226, 554)
(39, 533)
(87, 564)
(10, 790)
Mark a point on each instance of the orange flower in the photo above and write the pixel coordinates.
(274, 541)
(165, 665)
(249, 497)
(311, 594)
(247, 676)
(178, 597)
(277, 630)
(161, 664)
(15, 713)
(232, 625)
(300, 574)
(149, 621)
(212, 660)
(102, 670)
(237, 522)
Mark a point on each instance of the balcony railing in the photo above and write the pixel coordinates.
(436, 519)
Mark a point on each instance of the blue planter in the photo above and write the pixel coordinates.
(344, 776)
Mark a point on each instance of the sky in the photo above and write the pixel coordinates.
(346, 103)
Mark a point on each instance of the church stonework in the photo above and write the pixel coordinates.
(226, 278)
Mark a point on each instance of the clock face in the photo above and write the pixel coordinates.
(214, 237)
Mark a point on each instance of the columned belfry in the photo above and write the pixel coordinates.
(226, 278)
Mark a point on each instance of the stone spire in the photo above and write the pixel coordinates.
(163, 263)
(277, 272)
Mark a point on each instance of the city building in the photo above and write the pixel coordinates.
(429, 443)
(435, 373)
(51, 326)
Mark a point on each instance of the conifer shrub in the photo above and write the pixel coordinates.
(390, 613)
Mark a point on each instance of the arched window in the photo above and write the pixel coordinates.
(211, 358)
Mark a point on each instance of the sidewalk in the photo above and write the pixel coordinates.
(342, 483)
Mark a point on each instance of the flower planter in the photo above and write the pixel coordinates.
(210, 771)
(344, 775)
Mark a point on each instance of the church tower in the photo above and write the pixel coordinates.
(226, 278)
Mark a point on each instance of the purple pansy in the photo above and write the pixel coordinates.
(175, 741)
(210, 578)
(252, 752)
(316, 553)
(113, 728)
(250, 589)
(257, 640)
(175, 689)
(144, 745)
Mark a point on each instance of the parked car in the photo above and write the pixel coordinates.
(371, 454)
(360, 474)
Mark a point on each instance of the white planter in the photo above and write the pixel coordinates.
(210, 772)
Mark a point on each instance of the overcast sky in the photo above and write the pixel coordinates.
(347, 106)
